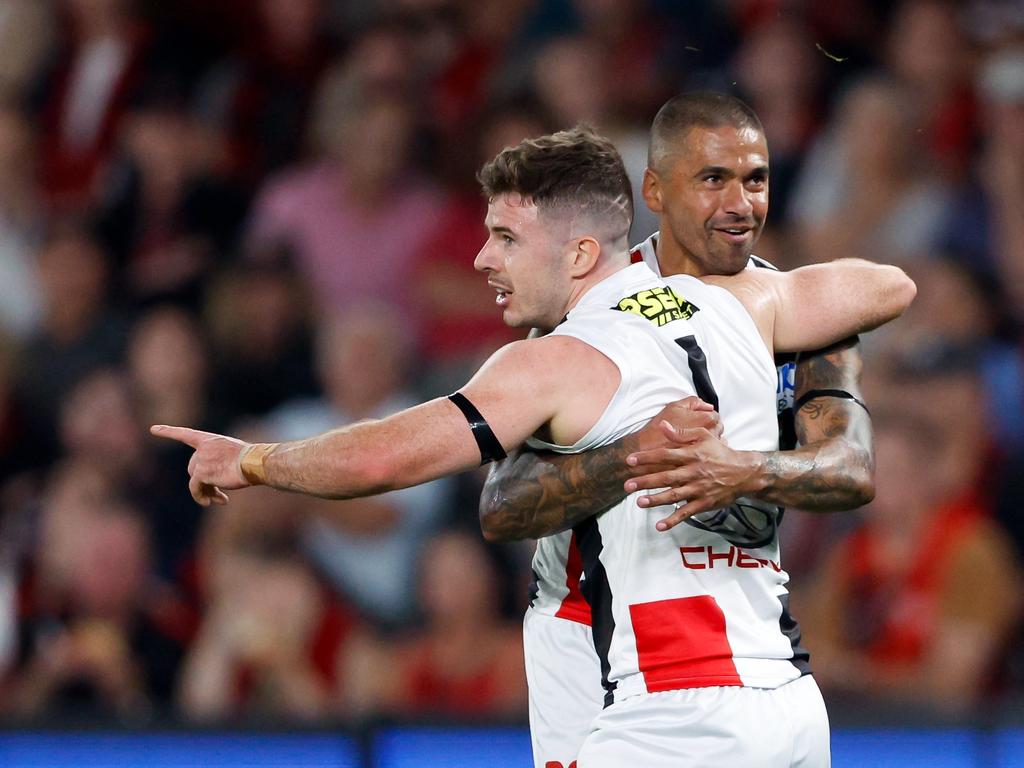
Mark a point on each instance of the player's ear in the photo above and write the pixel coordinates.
(584, 256)
(652, 190)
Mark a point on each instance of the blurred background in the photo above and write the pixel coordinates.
(259, 216)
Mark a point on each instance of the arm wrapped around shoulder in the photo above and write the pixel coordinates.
(821, 304)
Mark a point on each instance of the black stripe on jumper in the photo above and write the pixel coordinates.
(598, 593)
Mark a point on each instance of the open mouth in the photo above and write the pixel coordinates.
(503, 294)
(735, 234)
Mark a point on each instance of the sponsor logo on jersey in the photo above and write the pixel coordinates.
(701, 558)
(659, 305)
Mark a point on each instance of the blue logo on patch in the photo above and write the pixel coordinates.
(784, 392)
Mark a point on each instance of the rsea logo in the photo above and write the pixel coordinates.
(659, 305)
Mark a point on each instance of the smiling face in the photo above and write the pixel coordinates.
(711, 194)
(526, 261)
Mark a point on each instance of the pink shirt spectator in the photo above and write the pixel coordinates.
(348, 251)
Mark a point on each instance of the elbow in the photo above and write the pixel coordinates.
(492, 533)
(491, 522)
(862, 490)
(860, 480)
(902, 291)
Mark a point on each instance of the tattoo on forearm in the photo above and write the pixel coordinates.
(833, 467)
(529, 495)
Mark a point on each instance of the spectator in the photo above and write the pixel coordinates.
(26, 34)
(865, 188)
(258, 318)
(78, 333)
(466, 662)
(928, 52)
(781, 76)
(353, 218)
(168, 220)
(633, 39)
(90, 647)
(21, 224)
(271, 637)
(976, 336)
(98, 68)
(259, 97)
(914, 605)
(570, 77)
(168, 364)
(983, 222)
(366, 547)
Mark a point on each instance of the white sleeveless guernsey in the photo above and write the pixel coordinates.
(704, 604)
(557, 566)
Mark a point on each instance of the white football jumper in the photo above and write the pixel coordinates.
(562, 663)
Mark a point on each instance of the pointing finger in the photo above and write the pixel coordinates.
(184, 435)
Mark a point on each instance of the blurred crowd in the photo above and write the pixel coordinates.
(260, 216)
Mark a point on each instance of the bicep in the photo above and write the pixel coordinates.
(835, 368)
(556, 381)
(515, 391)
(838, 366)
(821, 304)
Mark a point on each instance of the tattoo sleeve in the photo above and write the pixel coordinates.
(529, 495)
(833, 468)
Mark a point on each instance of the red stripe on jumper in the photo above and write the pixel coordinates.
(574, 606)
(681, 643)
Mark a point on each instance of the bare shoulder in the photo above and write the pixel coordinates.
(549, 358)
(746, 277)
(748, 285)
(757, 291)
(573, 358)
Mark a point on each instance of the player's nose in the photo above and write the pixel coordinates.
(737, 202)
(484, 261)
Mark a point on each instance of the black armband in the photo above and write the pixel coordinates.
(816, 393)
(490, 448)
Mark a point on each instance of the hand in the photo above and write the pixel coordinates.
(704, 473)
(214, 467)
(688, 413)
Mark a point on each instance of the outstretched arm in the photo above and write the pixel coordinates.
(832, 470)
(361, 459)
(531, 494)
(520, 388)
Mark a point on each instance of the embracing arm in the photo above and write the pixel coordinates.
(833, 469)
(820, 304)
(529, 495)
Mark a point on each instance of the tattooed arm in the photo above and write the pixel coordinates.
(834, 467)
(531, 494)
(831, 471)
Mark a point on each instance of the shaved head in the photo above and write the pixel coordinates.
(705, 109)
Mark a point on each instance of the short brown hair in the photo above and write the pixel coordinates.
(575, 169)
(707, 109)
